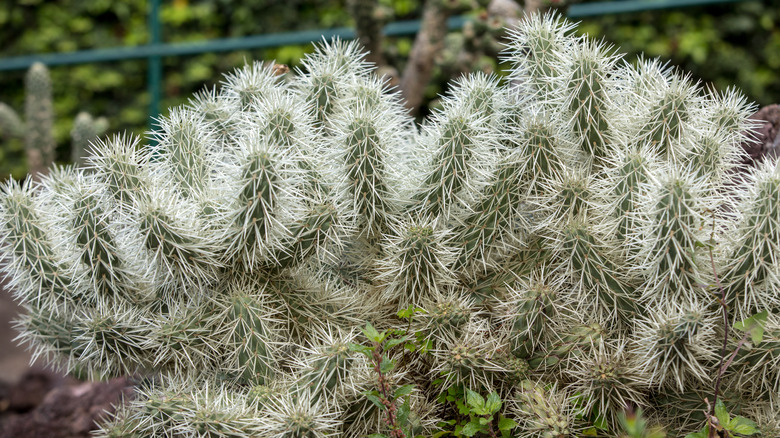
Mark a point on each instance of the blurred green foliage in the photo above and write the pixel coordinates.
(736, 44)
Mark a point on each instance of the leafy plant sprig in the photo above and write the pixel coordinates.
(393, 401)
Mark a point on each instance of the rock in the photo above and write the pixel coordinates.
(69, 408)
(764, 141)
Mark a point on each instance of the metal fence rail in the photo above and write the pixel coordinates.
(156, 49)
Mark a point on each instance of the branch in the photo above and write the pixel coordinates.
(428, 43)
(368, 27)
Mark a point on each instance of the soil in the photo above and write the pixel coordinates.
(40, 402)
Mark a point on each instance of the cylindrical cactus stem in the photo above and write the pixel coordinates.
(728, 114)
(122, 167)
(445, 314)
(187, 338)
(39, 275)
(11, 126)
(177, 241)
(253, 331)
(585, 86)
(52, 333)
(39, 116)
(544, 411)
(266, 183)
(627, 182)
(537, 52)
(461, 149)
(86, 129)
(531, 303)
(673, 237)
(600, 286)
(213, 409)
(473, 358)
(327, 365)
(244, 86)
(572, 341)
(608, 381)
(184, 145)
(112, 340)
(298, 415)
(497, 220)
(675, 346)
(364, 145)
(675, 107)
(329, 69)
(750, 274)
(416, 265)
(757, 367)
(320, 232)
(547, 148)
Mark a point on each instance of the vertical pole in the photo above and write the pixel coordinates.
(154, 72)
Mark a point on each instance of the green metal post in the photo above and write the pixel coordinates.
(154, 73)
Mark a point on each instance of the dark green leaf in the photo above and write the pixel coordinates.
(471, 428)
(386, 365)
(403, 390)
(754, 325)
(506, 424)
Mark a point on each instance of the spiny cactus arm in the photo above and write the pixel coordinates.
(249, 318)
(102, 254)
(86, 129)
(176, 239)
(751, 273)
(417, 262)
(38, 274)
(547, 147)
(588, 94)
(241, 89)
(39, 117)
(676, 346)
(600, 287)
(537, 51)
(532, 303)
(673, 118)
(325, 72)
(676, 209)
(211, 409)
(367, 148)
(184, 143)
(460, 145)
(729, 114)
(626, 182)
(11, 126)
(607, 379)
(544, 411)
(267, 188)
(570, 338)
(472, 358)
(121, 164)
(498, 219)
(757, 367)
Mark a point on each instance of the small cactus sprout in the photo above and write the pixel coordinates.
(544, 412)
(564, 239)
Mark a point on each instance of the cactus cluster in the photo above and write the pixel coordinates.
(36, 129)
(560, 233)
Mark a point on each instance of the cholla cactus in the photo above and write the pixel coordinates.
(557, 235)
(37, 128)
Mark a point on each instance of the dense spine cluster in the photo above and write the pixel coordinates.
(560, 234)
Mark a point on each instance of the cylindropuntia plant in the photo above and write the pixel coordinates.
(555, 239)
